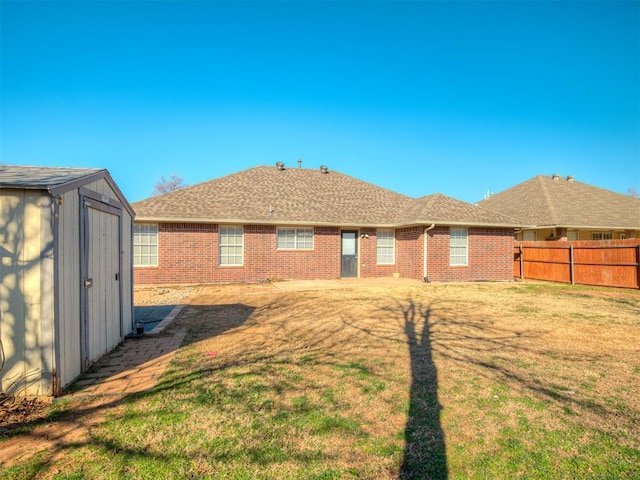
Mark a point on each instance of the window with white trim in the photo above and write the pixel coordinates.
(458, 246)
(145, 245)
(572, 235)
(386, 247)
(294, 239)
(231, 246)
(601, 236)
(529, 236)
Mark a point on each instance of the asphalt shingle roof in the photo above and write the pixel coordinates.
(56, 180)
(544, 201)
(265, 194)
(438, 208)
(20, 176)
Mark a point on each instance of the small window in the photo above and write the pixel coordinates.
(231, 246)
(145, 245)
(458, 247)
(294, 239)
(572, 235)
(529, 236)
(623, 236)
(601, 236)
(385, 245)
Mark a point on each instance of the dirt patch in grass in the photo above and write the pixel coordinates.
(16, 412)
(162, 295)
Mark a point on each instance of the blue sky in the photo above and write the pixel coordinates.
(458, 98)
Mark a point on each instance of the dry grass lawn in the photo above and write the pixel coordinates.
(485, 380)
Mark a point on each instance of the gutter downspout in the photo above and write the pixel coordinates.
(424, 253)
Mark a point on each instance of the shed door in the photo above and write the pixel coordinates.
(101, 319)
(349, 253)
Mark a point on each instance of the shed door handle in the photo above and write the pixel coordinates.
(88, 282)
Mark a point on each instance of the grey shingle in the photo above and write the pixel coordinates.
(57, 180)
(41, 177)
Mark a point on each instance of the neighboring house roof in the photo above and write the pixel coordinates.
(556, 201)
(268, 195)
(55, 180)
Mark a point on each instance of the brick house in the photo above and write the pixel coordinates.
(276, 223)
(557, 208)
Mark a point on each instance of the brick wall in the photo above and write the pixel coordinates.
(185, 253)
(368, 256)
(410, 252)
(188, 253)
(488, 255)
(262, 260)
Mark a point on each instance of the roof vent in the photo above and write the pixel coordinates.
(570, 178)
(324, 169)
(555, 176)
(299, 163)
(280, 165)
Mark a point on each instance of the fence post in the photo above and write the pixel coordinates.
(571, 273)
(522, 264)
(638, 264)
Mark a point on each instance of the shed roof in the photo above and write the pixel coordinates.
(269, 195)
(19, 176)
(55, 180)
(556, 201)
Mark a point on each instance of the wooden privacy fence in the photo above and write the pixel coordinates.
(611, 263)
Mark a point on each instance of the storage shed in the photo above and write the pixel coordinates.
(66, 289)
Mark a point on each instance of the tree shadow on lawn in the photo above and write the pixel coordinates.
(470, 342)
(425, 451)
(424, 455)
(416, 325)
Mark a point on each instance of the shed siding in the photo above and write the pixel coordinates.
(126, 274)
(68, 261)
(26, 283)
(12, 297)
(102, 187)
(45, 349)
